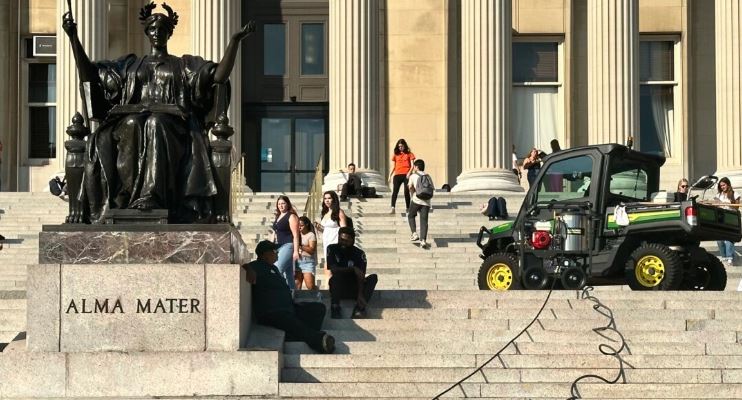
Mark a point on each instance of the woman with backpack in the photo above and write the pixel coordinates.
(332, 219)
(401, 169)
(421, 186)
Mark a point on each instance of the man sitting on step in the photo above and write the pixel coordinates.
(347, 264)
(274, 306)
(353, 186)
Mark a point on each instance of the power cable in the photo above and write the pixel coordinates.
(605, 349)
(497, 355)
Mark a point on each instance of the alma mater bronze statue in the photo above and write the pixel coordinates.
(150, 149)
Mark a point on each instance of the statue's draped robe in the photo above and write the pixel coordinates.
(151, 149)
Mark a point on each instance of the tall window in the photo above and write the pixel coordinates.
(536, 110)
(274, 49)
(312, 49)
(42, 110)
(657, 96)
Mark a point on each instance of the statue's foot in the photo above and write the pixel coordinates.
(144, 204)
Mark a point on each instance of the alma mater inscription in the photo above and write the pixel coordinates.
(143, 306)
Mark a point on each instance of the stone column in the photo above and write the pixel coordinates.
(213, 23)
(613, 71)
(486, 80)
(92, 28)
(354, 92)
(728, 91)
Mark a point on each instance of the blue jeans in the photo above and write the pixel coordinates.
(531, 176)
(726, 249)
(285, 263)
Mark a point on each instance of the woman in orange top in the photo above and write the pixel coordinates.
(402, 160)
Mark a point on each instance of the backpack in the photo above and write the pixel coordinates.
(424, 187)
(55, 186)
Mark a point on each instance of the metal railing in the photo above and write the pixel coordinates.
(237, 189)
(314, 197)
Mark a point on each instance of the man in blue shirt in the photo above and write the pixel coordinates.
(274, 306)
(347, 264)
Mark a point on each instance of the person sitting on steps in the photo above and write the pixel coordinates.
(347, 264)
(274, 306)
(353, 186)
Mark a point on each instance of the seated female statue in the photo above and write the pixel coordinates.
(150, 150)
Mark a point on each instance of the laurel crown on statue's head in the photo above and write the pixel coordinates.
(146, 16)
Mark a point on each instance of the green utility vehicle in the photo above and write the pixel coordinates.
(590, 218)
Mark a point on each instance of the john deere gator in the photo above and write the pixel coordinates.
(593, 216)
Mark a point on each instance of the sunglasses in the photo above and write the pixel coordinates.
(683, 186)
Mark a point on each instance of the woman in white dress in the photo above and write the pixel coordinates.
(332, 219)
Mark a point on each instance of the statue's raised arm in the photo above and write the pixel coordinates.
(85, 68)
(227, 62)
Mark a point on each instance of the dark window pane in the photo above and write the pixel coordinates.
(274, 49)
(42, 83)
(656, 61)
(656, 119)
(275, 182)
(310, 142)
(42, 141)
(535, 62)
(275, 148)
(312, 49)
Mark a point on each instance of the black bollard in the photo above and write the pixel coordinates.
(221, 156)
(74, 168)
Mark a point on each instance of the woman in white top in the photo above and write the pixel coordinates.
(332, 219)
(725, 194)
(306, 267)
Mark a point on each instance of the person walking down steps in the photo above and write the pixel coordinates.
(402, 159)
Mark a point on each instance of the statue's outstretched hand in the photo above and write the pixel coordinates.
(68, 24)
(245, 31)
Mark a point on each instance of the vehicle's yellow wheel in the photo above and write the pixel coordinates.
(654, 266)
(649, 270)
(499, 272)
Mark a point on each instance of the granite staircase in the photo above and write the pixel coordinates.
(429, 327)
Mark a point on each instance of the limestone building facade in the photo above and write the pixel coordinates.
(463, 81)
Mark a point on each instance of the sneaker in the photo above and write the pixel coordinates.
(328, 344)
(424, 244)
(335, 311)
(392, 211)
(359, 312)
(414, 237)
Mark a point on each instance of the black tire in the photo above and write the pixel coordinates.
(499, 272)
(573, 278)
(706, 273)
(654, 266)
(535, 278)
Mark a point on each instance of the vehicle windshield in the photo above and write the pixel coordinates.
(567, 179)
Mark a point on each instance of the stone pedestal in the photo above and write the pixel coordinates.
(150, 244)
(137, 307)
(138, 311)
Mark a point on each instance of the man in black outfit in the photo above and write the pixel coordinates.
(352, 187)
(274, 306)
(347, 264)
